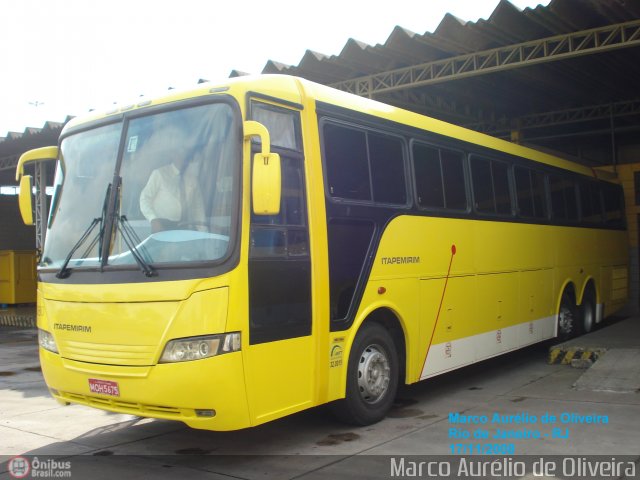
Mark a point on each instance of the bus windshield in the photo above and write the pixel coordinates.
(174, 178)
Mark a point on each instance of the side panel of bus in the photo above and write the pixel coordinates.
(486, 288)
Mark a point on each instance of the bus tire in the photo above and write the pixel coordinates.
(372, 377)
(567, 318)
(587, 314)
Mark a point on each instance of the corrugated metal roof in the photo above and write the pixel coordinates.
(15, 143)
(504, 96)
(499, 98)
(506, 25)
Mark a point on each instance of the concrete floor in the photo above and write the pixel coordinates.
(312, 444)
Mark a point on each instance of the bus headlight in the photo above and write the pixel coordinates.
(196, 348)
(46, 341)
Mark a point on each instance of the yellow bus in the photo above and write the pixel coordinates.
(236, 253)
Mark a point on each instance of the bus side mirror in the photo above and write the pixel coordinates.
(26, 181)
(266, 173)
(24, 199)
(266, 186)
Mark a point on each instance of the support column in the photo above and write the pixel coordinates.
(41, 203)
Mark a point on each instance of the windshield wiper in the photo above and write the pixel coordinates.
(121, 224)
(64, 272)
(131, 238)
(128, 233)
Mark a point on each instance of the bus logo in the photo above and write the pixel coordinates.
(399, 260)
(19, 467)
(336, 356)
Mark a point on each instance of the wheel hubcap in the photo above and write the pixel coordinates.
(374, 374)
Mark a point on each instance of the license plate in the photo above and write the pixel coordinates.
(104, 387)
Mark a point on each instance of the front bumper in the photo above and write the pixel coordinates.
(172, 391)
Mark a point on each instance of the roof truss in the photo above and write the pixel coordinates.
(550, 49)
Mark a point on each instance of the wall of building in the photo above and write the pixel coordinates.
(14, 235)
(628, 173)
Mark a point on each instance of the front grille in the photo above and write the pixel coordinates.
(131, 408)
(138, 355)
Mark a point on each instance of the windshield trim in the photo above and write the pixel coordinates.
(117, 274)
(95, 274)
(149, 110)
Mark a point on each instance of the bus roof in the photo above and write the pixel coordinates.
(299, 90)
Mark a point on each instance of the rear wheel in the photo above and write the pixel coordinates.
(567, 318)
(372, 377)
(588, 314)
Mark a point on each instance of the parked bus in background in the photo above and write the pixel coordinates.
(236, 253)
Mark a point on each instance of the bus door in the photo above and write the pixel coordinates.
(280, 361)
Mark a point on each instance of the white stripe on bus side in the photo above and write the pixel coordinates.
(447, 356)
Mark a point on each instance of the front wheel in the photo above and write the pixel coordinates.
(372, 377)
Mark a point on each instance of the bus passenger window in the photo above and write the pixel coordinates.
(455, 193)
(349, 241)
(613, 205)
(558, 206)
(387, 169)
(482, 185)
(571, 201)
(500, 173)
(523, 192)
(490, 180)
(539, 194)
(439, 178)
(426, 161)
(590, 202)
(530, 193)
(564, 205)
(346, 162)
(364, 165)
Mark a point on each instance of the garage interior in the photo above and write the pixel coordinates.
(560, 78)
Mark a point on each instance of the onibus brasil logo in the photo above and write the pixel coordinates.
(20, 467)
